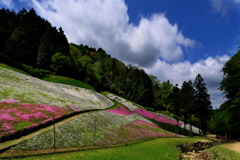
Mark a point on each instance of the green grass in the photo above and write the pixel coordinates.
(14, 69)
(161, 148)
(23, 124)
(221, 152)
(66, 80)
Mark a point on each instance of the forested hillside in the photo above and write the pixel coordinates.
(228, 115)
(32, 44)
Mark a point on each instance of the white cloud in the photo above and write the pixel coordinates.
(105, 24)
(236, 1)
(7, 3)
(223, 6)
(220, 6)
(177, 73)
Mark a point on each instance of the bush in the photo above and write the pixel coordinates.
(36, 72)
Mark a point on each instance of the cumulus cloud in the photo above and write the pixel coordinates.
(7, 3)
(106, 24)
(177, 73)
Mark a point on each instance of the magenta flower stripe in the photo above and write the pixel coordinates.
(13, 113)
(121, 110)
(156, 117)
(145, 113)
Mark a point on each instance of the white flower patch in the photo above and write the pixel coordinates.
(28, 89)
(129, 105)
(83, 131)
(194, 129)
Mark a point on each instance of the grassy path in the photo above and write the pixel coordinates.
(16, 141)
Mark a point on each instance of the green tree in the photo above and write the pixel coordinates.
(187, 102)
(47, 48)
(61, 64)
(175, 102)
(203, 103)
(5, 27)
(230, 86)
(62, 43)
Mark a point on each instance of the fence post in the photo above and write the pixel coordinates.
(121, 134)
(54, 135)
(95, 128)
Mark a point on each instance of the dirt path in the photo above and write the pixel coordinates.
(16, 141)
(233, 146)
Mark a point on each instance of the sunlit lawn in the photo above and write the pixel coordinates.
(224, 152)
(161, 148)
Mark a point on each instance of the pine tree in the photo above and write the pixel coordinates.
(203, 103)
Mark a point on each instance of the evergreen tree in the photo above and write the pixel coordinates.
(175, 102)
(203, 103)
(47, 48)
(62, 43)
(187, 102)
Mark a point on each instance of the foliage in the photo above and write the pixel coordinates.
(203, 103)
(229, 112)
(66, 80)
(14, 69)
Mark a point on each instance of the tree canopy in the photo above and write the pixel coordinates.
(228, 115)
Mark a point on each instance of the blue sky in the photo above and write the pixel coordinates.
(172, 39)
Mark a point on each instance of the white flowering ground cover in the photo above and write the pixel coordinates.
(98, 128)
(129, 105)
(27, 89)
(194, 129)
(167, 119)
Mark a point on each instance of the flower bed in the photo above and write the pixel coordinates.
(27, 89)
(15, 116)
(121, 110)
(157, 117)
(129, 105)
(95, 128)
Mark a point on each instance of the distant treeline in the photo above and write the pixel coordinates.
(32, 44)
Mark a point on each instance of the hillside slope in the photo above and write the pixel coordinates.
(27, 89)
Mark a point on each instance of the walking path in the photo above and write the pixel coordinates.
(233, 146)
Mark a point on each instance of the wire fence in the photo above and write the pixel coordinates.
(93, 130)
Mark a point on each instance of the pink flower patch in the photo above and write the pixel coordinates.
(140, 122)
(7, 126)
(121, 110)
(37, 115)
(146, 113)
(156, 117)
(11, 115)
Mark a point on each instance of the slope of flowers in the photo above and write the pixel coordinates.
(27, 89)
(129, 105)
(151, 115)
(95, 128)
(156, 117)
(15, 116)
(121, 110)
